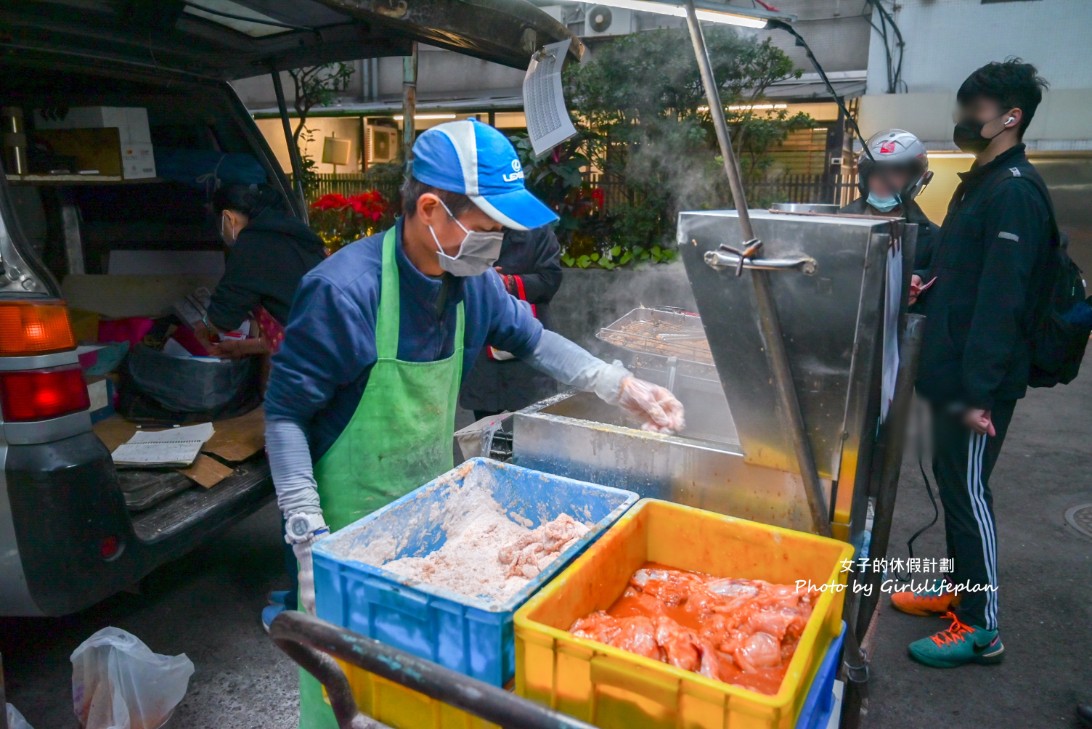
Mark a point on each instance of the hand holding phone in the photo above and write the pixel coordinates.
(917, 288)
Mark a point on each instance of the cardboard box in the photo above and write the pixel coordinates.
(95, 150)
(137, 161)
(130, 121)
(84, 132)
(101, 150)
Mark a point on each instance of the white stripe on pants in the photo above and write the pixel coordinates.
(976, 447)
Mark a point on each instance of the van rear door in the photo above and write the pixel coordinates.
(230, 39)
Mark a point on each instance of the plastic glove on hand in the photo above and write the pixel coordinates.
(655, 407)
(306, 576)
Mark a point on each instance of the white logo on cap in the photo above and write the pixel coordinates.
(517, 173)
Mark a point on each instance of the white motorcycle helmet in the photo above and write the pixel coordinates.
(895, 149)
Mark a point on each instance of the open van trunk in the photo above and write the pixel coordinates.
(131, 247)
(73, 528)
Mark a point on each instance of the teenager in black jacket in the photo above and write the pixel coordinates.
(530, 266)
(991, 265)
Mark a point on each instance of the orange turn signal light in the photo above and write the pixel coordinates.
(30, 327)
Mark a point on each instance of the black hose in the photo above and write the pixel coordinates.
(905, 577)
(887, 18)
(774, 23)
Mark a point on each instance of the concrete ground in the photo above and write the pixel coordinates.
(207, 606)
(1045, 573)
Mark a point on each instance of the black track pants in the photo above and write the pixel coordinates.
(962, 462)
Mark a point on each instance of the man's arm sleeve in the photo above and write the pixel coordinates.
(1016, 234)
(328, 343)
(571, 364)
(290, 464)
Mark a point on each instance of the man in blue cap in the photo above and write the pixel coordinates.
(361, 402)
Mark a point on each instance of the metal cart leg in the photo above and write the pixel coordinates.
(310, 642)
(857, 656)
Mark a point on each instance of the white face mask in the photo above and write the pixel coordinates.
(477, 253)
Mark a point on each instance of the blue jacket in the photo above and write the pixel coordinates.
(321, 370)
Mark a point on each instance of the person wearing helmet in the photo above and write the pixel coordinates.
(361, 402)
(891, 172)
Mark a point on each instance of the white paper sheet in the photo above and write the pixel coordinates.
(548, 122)
(201, 432)
(173, 447)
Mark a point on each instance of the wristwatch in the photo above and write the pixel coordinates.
(303, 527)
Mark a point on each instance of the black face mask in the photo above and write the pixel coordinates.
(967, 135)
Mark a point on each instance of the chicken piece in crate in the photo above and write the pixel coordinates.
(616, 689)
(469, 633)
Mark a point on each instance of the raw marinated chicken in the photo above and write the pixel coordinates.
(739, 631)
(532, 552)
(486, 554)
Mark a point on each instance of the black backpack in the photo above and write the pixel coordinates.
(1057, 346)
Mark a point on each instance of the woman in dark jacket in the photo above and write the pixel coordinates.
(269, 254)
(530, 266)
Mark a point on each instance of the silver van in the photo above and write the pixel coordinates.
(73, 529)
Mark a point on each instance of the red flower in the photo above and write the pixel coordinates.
(598, 198)
(332, 201)
(370, 205)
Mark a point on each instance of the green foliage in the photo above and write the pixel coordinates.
(642, 96)
(387, 177)
(645, 127)
(557, 178)
(315, 86)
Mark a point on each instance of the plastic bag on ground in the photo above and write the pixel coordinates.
(119, 683)
(16, 720)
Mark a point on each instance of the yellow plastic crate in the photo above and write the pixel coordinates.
(615, 689)
(401, 708)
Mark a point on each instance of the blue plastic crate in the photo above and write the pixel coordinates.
(464, 634)
(815, 713)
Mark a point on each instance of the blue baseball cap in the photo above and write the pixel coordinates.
(478, 161)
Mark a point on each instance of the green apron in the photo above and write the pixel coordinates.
(399, 438)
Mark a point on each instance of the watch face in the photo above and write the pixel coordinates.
(299, 527)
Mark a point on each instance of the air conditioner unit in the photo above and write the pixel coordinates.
(382, 144)
(601, 20)
(554, 11)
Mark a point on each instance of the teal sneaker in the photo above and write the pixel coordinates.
(958, 645)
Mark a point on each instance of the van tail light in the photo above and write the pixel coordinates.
(42, 394)
(30, 327)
